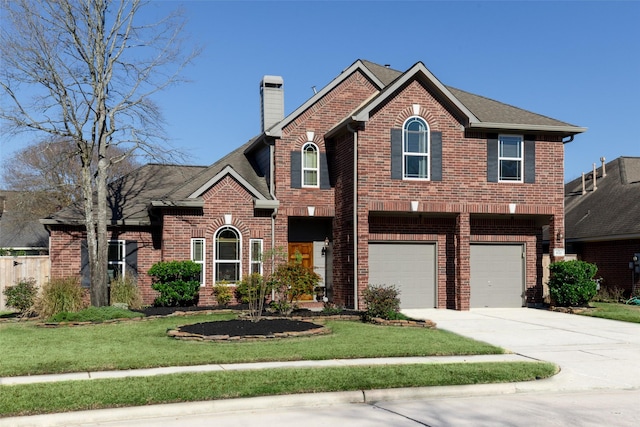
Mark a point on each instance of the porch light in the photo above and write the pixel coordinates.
(326, 246)
(559, 236)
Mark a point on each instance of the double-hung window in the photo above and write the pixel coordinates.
(310, 165)
(116, 259)
(255, 246)
(510, 158)
(415, 149)
(198, 256)
(227, 255)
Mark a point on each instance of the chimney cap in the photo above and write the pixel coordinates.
(272, 80)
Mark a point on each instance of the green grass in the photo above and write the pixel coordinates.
(95, 314)
(81, 395)
(144, 344)
(614, 311)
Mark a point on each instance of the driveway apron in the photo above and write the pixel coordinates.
(592, 353)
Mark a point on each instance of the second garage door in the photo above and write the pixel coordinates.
(497, 278)
(411, 267)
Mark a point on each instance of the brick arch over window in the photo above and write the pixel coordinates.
(236, 223)
(423, 113)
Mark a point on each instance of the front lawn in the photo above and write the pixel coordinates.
(614, 311)
(145, 344)
(82, 395)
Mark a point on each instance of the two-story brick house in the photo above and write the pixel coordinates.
(381, 177)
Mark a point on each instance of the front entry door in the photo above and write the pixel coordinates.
(306, 250)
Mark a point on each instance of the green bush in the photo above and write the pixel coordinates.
(124, 290)
(222, 292)
(95, 314)
(291, 280)
(382, 301)
(22, 295)
(571, 283)
(177, 282)
(60, 295)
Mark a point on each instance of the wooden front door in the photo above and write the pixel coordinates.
(306, 250)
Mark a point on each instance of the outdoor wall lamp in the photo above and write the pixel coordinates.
(326, 245)
(559, 236)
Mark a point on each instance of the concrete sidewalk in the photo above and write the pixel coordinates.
(79, 376)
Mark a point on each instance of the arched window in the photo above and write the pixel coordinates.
(227, 262)
(415, 149)
(310, 165)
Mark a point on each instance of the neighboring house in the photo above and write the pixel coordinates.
(381, 177)
(17, 235)
(602, 217)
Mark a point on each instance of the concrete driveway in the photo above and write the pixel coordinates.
(592, 353)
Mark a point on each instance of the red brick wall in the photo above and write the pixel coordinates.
(464, 191)
(612, 259)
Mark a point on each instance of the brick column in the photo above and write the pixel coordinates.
(556, 235)
(463, 267)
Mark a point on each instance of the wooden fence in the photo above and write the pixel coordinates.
(15, 268)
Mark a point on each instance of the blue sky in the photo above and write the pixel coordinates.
(576, 61)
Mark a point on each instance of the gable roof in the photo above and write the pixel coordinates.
(611, 211)
(479, 112)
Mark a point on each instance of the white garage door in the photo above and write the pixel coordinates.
(497, 278)
(409, 266)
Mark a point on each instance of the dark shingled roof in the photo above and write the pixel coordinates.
(15, 232)
(610, 212)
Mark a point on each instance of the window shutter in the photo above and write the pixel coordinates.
(324, 171)
(436, 156)
(529, 159)
(492, 158)
(296, 169)
(131, 257)
(85, 274)
(396, 153)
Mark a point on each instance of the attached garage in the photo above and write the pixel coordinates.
(497, 275)
(409, 266)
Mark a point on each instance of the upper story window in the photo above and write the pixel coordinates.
(227, 264)
(415, 149)
(510, 158)
(310, 165)
(197, 256)
(116, 259)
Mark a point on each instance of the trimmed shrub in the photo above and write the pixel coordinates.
(222, 292)
(60, 295)
(291, 280)
(382, 301)
(571, 283)
(124, 290)
(177, 282)
(22, 295)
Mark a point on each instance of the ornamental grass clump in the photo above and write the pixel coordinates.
(124, 290)
(60, 295)
(572, 283)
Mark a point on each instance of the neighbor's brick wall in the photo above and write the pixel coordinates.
(612, 259)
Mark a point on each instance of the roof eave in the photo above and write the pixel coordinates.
(189, 203)
(566, 130)
(227, 170)
(629, 236)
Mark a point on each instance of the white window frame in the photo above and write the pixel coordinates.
(216, 261)
(306, 168)
(426, 155)
(519, 159)
(259, 261)
(203, 262)
(122, 262)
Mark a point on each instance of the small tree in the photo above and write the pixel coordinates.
(253, 289)
(572, 282)
(177, 282)
(292, 280)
